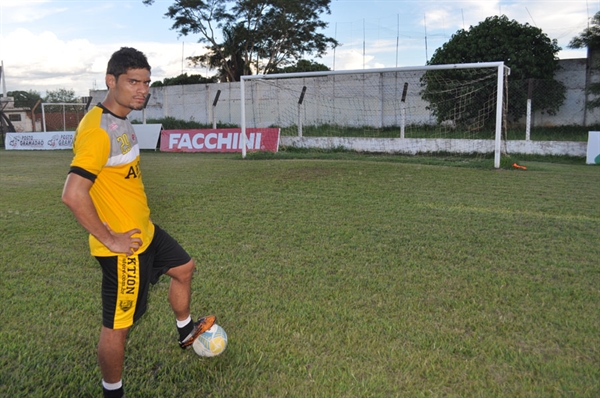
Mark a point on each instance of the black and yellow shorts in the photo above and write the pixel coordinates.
(126, 279)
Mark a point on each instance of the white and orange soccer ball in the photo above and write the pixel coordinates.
(211, 343)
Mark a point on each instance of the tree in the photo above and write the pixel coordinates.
(60, 95)
(590, 38)
(25, 99)
(225, 57)
(303, 65)
(182, 80)
(258, 36)
(525, 49)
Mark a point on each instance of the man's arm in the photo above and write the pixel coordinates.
(76, 195)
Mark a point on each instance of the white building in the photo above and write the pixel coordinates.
(21, 118)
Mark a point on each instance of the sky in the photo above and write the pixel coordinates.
(50, 45)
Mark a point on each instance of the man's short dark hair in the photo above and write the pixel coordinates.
(124, 59)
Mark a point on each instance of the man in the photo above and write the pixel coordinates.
(104, 190)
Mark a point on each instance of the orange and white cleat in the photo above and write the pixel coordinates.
(201, 326)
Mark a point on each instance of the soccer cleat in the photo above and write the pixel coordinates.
(203, 324)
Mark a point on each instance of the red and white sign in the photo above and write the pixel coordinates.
(219, 140)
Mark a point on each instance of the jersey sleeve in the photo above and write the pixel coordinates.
(91, 148)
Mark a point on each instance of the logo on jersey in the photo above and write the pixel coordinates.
(134, 171)
(125, 305)
(125, 143)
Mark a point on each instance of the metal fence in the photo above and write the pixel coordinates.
(62, 116)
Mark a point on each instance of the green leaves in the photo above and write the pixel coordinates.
(590, 37)
(60, 95)
(525, 49)
(182, 80)
(255, 35)
(25, 99)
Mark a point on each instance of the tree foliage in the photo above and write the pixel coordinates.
(525, 49)
(257, 36)
(590, 38)
(303, 65)
(184, 79)
(60, 95)
(25, 99)
(225, 57)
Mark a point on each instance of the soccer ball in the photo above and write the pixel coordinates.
(211, 343)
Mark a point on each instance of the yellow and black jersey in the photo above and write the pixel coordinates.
(107, 153)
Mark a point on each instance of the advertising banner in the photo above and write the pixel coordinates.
(147, 135)
(219, 140)
(42, 141)
(593, 148)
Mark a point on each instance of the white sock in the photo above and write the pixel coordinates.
(183, 323)
(112, 386)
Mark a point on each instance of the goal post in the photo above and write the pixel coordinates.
(434, 108)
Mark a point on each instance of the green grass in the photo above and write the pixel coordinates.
(339, 276)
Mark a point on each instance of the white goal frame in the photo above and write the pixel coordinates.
(501, 70)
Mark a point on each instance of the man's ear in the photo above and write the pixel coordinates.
(111, 81)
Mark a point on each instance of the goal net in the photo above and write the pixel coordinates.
(430, 109)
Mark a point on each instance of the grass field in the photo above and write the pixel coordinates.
(336, 277)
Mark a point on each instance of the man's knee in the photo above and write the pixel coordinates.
(113, 336)
(184, 272)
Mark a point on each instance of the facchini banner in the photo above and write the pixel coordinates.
(219, 140)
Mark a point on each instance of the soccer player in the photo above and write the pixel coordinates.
(104, 190)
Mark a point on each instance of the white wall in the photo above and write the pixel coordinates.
(413, 146)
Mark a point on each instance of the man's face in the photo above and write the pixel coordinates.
(129, 91)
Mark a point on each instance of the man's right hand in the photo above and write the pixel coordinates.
(125, 242)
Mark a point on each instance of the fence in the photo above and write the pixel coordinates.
(61, 116)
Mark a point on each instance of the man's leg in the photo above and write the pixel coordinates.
(111, 353)
(180, 293)
(180, 289)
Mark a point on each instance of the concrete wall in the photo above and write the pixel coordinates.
(413, 146)
(573, 74)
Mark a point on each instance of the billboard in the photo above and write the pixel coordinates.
(219, 140)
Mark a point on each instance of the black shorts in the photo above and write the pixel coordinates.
(126, 279)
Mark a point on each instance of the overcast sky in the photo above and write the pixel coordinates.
(47, 44)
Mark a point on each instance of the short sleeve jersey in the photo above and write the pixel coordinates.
(107, 153)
